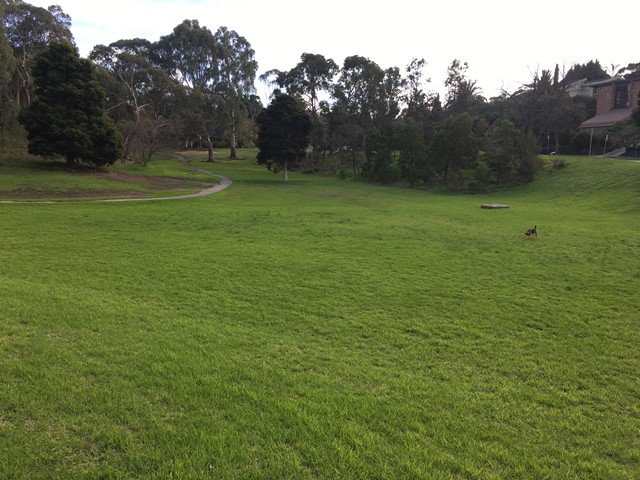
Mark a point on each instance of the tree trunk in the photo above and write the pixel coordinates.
(209, 150)
(354, 162)
(234, 138)
(286, 172)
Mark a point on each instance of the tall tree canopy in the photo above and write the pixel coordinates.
(141, 95)
(68, 117)
(29, 29)
(234, 83)
(218, 71)
(7, 69)
(284, 129)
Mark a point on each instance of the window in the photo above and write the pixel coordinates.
(622, 96)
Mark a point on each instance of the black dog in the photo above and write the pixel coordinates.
(533, 232)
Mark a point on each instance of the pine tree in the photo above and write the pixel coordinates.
(68, 116)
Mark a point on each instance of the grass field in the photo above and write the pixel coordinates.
(324, 329)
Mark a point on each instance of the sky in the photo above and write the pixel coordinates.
(504, 42)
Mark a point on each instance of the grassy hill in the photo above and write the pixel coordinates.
(323, 329)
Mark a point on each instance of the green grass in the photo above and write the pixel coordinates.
(325, 329)
(24, 178)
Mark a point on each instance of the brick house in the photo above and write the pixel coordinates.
(616, 98)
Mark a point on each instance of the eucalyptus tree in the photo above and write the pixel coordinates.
(414, 96)
(218, 71)
(190, 55)
(356, 95)
(139, 94)
(310, 80)
(29, 29)
(234, 83)
(7, 69)
(368, 98)
(421, 106)
(312, 75)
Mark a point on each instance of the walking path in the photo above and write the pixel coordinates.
(224, 183)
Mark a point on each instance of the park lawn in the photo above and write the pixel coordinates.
(325, 329)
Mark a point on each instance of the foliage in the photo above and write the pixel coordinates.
(463, 94)
(139, 95)
(582, 141)
(234, 83)
(284, 130)
(308, 79)
(545, 109)
(413, 160)
(7, 69)
(511, 153)
(218, 72)
(195, 87)
(29, 30)
(454, 149)
(636, 114)
(592, 70)
(68, 117)
(378, 166)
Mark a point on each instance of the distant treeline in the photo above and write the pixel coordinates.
(196, 87)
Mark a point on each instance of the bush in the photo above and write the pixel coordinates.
(581, 141)
(558, 163)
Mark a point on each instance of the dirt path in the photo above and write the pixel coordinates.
(224, 183)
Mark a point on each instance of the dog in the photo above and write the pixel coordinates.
(532, 232)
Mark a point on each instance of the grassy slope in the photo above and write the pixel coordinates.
(24, 178)
(325, 329)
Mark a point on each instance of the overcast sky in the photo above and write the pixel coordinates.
(504, 42)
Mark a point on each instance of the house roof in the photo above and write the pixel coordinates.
(607, 119)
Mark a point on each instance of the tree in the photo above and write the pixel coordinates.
(68, 117)
(455, 148)
(636, 114)
(413, 152)
(365, 97)
(139, 94)
(7, 69)
(592, 70)
(29, 30)
(284, 129)
(236, 74)
(545, 109)
(312, 75)
(190, 55)
(463, 94)
(307, 80)
(511, 152)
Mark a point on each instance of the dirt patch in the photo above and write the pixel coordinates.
(157, 183)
